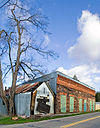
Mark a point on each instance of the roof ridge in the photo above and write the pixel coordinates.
(69, 77)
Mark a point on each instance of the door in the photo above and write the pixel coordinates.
(71, 104)
(80, 105)
(93, 106)
(85, 108)
(63, 103)
(90, 105)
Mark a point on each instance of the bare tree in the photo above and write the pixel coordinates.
(20, 47)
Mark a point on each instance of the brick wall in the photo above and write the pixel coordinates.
(70, 88)
(74, 85)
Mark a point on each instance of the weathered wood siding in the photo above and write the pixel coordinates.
(45, 99)
(3, 110)
(22, 104)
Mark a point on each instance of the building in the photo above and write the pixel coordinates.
(97, 105)
(70, 95)
(32, 99)
(54, 93)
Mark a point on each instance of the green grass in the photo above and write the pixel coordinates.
(8, 120)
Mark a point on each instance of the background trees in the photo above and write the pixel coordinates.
(20, 46)
(98, 97)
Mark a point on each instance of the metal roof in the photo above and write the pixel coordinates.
(25, 87)
(54, 75)
(64, 75)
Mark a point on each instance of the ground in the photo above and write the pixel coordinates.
(90, 120)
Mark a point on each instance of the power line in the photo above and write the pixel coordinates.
(4, 4)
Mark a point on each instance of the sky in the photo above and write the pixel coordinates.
(75, 28)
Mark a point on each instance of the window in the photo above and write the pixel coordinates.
(3, 102)
(44, 90)
(71, 104)
(80, 105)
(38, 92)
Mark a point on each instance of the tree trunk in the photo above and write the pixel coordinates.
(11, 106)
(12, 101)
(6, 102)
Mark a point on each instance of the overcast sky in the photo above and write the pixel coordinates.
(75, 28)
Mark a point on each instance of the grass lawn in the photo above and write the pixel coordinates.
(8, 120)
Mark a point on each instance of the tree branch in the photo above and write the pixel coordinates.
(5, 4)
(7, 71)
(10, 52)
(24, 70)
(32, 70)
(3, 31)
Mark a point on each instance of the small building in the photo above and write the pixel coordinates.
(97, 105)
(32, 99)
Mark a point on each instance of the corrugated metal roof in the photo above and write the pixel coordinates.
(25, 87)
(54, 75)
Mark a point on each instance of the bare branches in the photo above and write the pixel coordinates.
(8, 70)
(1, 83)
(43, 52)
(12, 11)
(31, 71)
(24, 39)
(18, 6)
(4, 4)
(3, 31)
(10, 52)
(22, 25)
(21, 45)
(37, 19)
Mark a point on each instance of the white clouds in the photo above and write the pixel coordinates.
(97, 79)
(84, 73)
(46, 40)
(87, 50)
(88, 44)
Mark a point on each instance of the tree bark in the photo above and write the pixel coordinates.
(11, 106)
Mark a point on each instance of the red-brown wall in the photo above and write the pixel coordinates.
(74, 85)
(69, 88)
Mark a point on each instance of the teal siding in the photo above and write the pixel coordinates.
(85, 106)
(90, 105)
(71, 104)
(80, 105)
(93, 106)
(63, 103)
